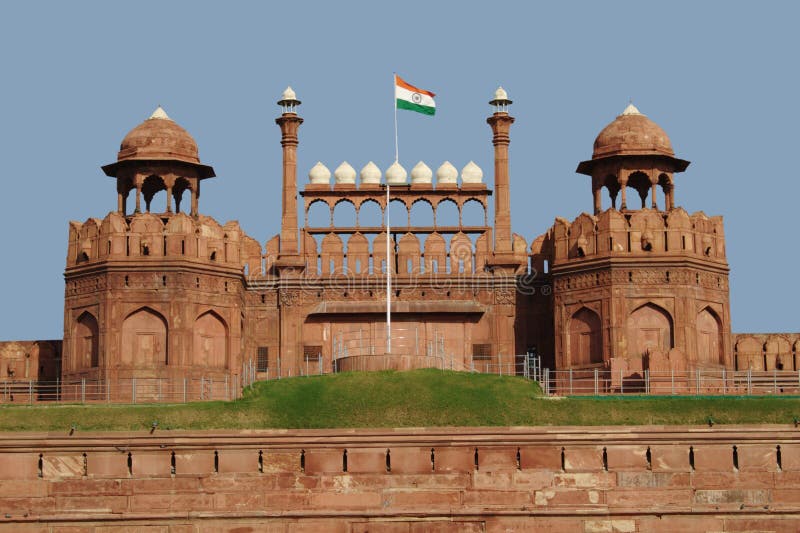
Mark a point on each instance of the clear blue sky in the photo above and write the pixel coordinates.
(720, 77)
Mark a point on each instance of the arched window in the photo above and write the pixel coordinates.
(422, 213)
(144, 339)
(86, 341)
(344, 214)
(649, 329)
(709, 338)
(585, 338)
(210, 346)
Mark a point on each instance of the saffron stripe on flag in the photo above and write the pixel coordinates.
(411, 88)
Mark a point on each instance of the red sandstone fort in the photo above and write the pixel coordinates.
(163, 291)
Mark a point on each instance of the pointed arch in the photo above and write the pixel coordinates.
(144, 339)
(210, 341)
(319, 214)
(86, 343)
(344, 214)
(421, 213)
(710, 347)
(585, 338)
(649, 329)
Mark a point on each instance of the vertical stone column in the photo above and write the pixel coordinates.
(289, 124)
(501, 125)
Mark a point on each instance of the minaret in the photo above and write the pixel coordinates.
(289, 123)
(501, 122)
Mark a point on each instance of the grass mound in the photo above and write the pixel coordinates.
(401, 399)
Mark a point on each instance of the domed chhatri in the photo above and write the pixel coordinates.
(159, 138)
(632, 133)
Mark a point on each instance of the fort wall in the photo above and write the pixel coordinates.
(466, 479)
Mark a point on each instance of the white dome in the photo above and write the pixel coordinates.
(446, 173)
(471, 173)
(319, 174)
(288, 94)
(370, 173)
(345, 173)
(500, 94)
(396, 174)
(421, 173)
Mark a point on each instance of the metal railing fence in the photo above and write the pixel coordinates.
(122, 390)
(697, 382)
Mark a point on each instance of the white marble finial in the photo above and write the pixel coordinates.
(370, 173)
(631, 110)
(160, 113)
(446, 173)
(500, 94)
(471, 173)
(345, 174)
(421, 173)
(288, 94)
(319, 174)
(396, 174)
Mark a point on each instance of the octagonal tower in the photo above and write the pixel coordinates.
(639, 287)
(149, 294)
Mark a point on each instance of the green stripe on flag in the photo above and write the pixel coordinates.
(405, 104)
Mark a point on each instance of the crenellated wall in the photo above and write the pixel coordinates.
(767, 351)
(467, 479)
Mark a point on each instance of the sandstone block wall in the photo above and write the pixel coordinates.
(465, 479)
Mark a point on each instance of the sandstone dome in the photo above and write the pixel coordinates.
(159, 138)
(632, 133)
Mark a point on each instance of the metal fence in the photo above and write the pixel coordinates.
(689, 382)
(123, 390)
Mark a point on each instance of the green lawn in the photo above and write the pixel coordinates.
(398, 399)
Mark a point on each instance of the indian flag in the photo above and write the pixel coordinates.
(413, 98)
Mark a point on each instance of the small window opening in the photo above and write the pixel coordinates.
(164, 281)
(519, 460)
(735, 458)
(126, 281)
(260, 461)
(630, 277)
(433, 460)
(649, 458)
(563, 460)
(183, 247)
(41, 464)
(388, 461)
(130, 464)
(605, 459)
(172, 469)
(216, 462)
(344, 461)
(778, 458)
(145, 249)
(213, 256)
(691, 457)
(476, 458)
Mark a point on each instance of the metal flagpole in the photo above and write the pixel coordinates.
(388, 227)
